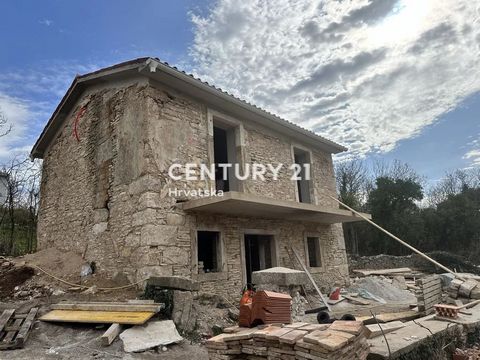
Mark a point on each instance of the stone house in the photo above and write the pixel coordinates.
(106, 191)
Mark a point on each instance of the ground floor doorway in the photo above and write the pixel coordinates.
(259, 253)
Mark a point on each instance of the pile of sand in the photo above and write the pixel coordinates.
(56, 262)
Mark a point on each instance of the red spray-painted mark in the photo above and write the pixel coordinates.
(77, 119)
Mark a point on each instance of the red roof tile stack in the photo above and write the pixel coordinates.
(267, 307)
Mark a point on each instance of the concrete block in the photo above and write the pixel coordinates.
(174, 282)
(280, 276)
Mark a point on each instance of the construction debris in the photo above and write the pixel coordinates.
(469, 288)
(112, 332)
(336, 341)
(108, 306)
(381, 290)
(383, 271)
(154, 334)
(15, 328)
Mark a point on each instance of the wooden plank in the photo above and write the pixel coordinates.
(356, 300)
(6, 315)
(427, 280)
(429, 296)
(11, 334)
(431, 286)
(136, 301)
(395, 271)
(26, 327)
(374, 330)
(104, 306)
(111, 333)
(403, 315)
(98, 317)
(311, 279)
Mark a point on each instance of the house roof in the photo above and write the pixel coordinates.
(184, 82)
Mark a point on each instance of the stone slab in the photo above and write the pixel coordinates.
(155, 333)
(403, 340)
(174, 282)
(280, 276)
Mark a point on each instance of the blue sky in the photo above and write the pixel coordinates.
(389, 79)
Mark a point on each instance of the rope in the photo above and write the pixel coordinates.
(84, 286)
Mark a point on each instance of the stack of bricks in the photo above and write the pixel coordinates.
(299, 341)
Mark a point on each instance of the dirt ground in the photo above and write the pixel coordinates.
(75, 341)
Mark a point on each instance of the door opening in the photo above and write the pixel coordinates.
(259, 253)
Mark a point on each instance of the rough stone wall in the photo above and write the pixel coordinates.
(87, 203)
(108, 195)
(323, 179)
(263, 148)
(286, 233)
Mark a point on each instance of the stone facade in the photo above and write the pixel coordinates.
(108, 194)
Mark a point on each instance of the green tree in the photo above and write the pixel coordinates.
(392, 204)
(458, 223)
(352, 180)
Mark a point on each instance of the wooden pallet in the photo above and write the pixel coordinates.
(15, 328)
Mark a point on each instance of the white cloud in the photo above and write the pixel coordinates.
(365, 73)
(18, 115)
(28, 98)
(46, 22)
(473, 155)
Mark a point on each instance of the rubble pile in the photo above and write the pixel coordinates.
(12, 278)
(340, 340)
(467, 289)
